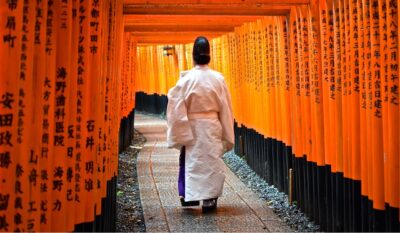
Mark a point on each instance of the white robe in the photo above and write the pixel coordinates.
(201, 95)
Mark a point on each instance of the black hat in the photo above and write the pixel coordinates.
(201, 51)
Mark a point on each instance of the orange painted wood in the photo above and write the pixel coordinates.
(207, 9)
(212, 2)
(145, 20)
(180, 28)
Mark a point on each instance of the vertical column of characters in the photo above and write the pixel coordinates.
(272, 78)
(65, 124)
(317, 113)
(384, 91)
(251, 75)
(81, 180)
(74, 152)
(107, 79)
(39, 161)
(238, 78)
(280, 78)
(346, 69)
(355, 96)
(255, 70)
(295, 73)
(339, 51)
(244, 43)
(393, 22)
(88, 124)
(305, 82)
(345, 66)
(376, 113)
(61, 116)
(368, 66)
(10, 48)
(113, 83)
(267, 77)
(335, 80)
(275, 81)
(260, 76)
(94, 163)
(325, 17)
(288, 83)
(26, 161)
(48, 203)
(363, 94)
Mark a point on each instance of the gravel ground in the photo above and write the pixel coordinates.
(129, 207)
(278, 201)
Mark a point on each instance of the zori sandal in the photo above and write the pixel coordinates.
(209, 205)
(189, 203)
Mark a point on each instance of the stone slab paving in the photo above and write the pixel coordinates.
(239, 209)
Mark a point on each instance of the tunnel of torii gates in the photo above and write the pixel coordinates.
(314, 86)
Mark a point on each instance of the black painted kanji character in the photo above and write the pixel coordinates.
(47, 82)
(95, 13)
(70, 174)
(89, 185)
(57, 185)
(60, 127)
(32, 207)
(93, 49)
(69, 195)
(58, 172)
(43, 219)
(77, 199)
(3, 223)
(7, 99)
(6, 120)
(61, 73)
(89, 142)
(18, 203)
(5, 138)
(89, 167)
(58, 140)
(45, 152)
(90, 125)
(60, 101)
(19, 170)
(4, 201)
(5, 159)
(12, 4)
(46, 95)
(43, 205)
(70, 151)
(17, 219)
(33, 177)
(10, 22)
(18, 187)
(93, 38)
(34, 158)
(60, 113)
(57, 205)
(70, 131)
(43, 187)
(60, 86)
(30, 224)
(9, 39)
(45, 138)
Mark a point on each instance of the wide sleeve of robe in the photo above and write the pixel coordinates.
(179, 132)
(226, 119)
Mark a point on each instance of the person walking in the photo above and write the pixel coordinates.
(200, 124)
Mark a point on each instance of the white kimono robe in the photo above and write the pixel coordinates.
(199, 117)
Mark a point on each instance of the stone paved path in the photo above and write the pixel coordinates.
(239, 209)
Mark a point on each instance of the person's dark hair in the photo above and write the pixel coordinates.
(201, 51)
